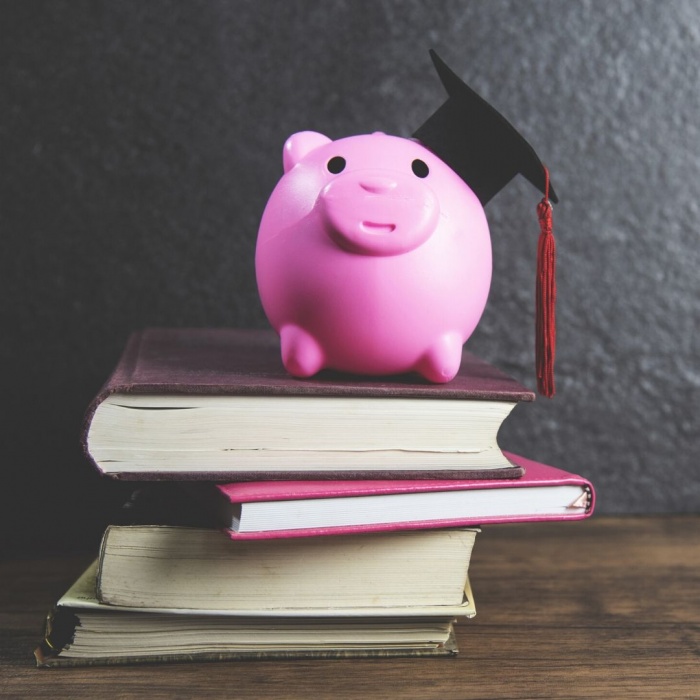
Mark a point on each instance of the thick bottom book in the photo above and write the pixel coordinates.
(82, 631)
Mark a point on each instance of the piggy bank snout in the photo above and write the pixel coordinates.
(378, 184)
(378, 212)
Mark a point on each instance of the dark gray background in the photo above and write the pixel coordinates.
(140, 140)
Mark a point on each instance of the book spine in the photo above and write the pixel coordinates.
(60, 630)
(119, 381)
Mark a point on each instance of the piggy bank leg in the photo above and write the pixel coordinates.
(441, 362)
(302, 355)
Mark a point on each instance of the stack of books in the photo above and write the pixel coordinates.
(282, 518)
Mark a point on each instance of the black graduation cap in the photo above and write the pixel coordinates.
(487, 152)
(478, 142)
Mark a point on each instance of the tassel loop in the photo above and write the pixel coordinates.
(546, 296)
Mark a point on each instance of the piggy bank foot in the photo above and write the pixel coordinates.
(441, 362)
(302, 356)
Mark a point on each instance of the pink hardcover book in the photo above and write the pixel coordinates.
(277, 509)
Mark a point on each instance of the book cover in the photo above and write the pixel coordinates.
(260, 510)
(208, 363)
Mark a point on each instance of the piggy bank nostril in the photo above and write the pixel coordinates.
(378, 185)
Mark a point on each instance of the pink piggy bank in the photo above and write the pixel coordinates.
(373, 257)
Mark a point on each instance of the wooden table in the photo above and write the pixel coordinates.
(603, 608)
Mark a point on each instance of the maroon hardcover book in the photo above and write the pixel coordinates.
(158, 415)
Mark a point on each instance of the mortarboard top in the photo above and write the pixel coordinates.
(478, 142)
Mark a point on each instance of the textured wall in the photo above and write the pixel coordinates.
(140, 141)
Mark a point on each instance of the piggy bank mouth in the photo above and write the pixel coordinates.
(371, 227)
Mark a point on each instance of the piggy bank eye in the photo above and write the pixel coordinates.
(420, 169)
(336, 165)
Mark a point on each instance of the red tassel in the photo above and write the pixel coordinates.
(546, 296)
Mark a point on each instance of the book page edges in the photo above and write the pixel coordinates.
(84, 594)
(48, 658)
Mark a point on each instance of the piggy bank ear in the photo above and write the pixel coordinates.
(300, 145)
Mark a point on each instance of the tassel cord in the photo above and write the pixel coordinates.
(546, 294)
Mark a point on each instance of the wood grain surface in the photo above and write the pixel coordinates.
(604, 608)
